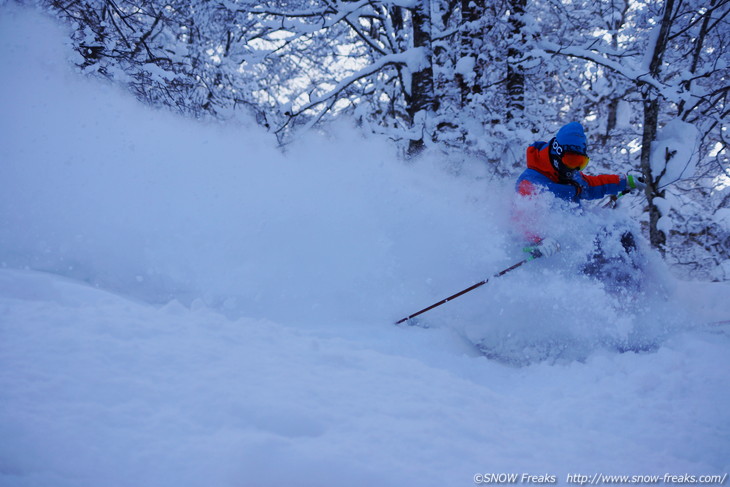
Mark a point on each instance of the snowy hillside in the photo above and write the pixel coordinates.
(181, 304)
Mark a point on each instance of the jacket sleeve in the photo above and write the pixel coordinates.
(596, 187)
(525, 214)
(532, 182)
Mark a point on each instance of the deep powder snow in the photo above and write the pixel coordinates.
(182, 304)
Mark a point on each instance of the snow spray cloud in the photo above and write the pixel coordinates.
(99, 188)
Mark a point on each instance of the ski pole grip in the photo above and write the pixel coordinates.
(534, 252)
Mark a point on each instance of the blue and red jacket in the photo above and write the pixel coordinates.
(540, 176)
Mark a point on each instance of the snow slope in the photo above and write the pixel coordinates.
(183, 305)
(99, 390)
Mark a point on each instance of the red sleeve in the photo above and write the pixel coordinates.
(602, 179)
(526, 188)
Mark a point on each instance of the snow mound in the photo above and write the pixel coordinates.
(673, 155)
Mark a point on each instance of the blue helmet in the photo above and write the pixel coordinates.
(570, 138)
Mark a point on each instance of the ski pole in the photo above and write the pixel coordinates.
(534, 254)
(613, 199)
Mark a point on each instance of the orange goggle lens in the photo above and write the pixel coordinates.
(575, 161)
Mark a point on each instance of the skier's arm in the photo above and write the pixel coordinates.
(597, 187)
(526, 210)
(532, 182)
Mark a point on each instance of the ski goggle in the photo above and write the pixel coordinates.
(575, 161)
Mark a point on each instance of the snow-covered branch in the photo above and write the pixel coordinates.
(412, 59)
(672, 93)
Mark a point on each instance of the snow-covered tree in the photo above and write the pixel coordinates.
(676, 64)
(647, 79)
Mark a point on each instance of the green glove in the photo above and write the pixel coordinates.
(547, 247)
(634, 182)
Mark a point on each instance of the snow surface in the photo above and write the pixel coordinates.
(183, 305)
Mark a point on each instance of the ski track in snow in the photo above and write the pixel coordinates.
(175, 312)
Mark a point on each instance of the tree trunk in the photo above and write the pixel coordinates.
(616, 17)
(515, 75)
(651, 117)
(421, 99)
(657, 237)
(471, 44)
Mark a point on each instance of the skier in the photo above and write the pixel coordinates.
(556, 167)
